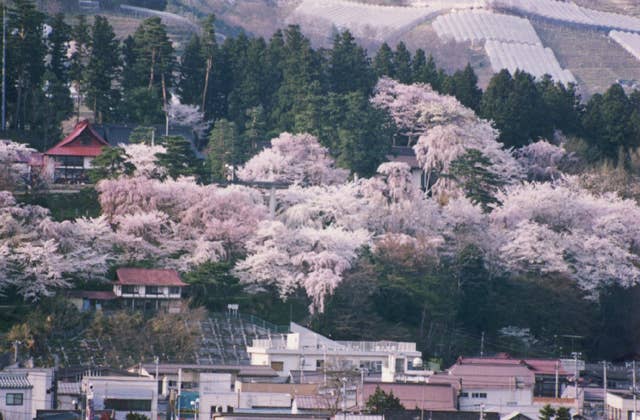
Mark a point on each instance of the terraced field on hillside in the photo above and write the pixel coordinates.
(594, 59)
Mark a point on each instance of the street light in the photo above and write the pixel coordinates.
(195, 405)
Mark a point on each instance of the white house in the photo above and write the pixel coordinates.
(307, 351)
(619, 405)
(153, 288)
(24, 391)
(122, 394)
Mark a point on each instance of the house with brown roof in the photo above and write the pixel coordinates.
(68, 161)
(143, 288)
(135, 288)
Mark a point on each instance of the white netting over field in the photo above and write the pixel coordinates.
(363, 20)
(480, 25)
(569, 12)
(533, 59)
(629, 41)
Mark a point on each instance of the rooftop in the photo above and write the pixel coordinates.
(12, 381)
(148, 277)
(82, 141)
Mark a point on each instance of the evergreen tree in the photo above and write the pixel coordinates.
(300, 68)
(53, 103)
(563, 413)
(424, 70)
(179, 158)
(130, 77)
(464, 86)
(26, 51)
(380, 401)
(364, 134)
(547, 413)
(110, 163)
(349, 68)
(383, 62)
(192, 73)
(79, 58)
(209, 52)
(471, 172)
(223, 149)
(103, 70)
(562, 105)
(254, 135)
(402, 64)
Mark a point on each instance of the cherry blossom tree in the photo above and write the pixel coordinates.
(560, 227)
(290, 258)
(293, 159)
(14, 163)
(541, 160)
(144, 158)
(187, 116)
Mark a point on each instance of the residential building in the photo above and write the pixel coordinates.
(307, 351)
(68, 161)
(405, 154)
(16, 397)
(619, 405)
(122, 395)
(24, 391)
(135, 288)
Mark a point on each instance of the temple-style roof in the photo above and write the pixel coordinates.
(148, 277)
(83, 141)
(13, 381)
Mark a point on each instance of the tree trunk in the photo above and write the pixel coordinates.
(166, 105)
(152, 69)
(206, 82)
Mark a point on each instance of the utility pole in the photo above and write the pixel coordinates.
(557, 379)
(635, 391)
(4, 67)
(482, 345)
(604, 385)
(16, 343)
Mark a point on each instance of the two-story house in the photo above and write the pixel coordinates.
(142, 288)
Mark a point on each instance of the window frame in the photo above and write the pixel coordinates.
(13, 400)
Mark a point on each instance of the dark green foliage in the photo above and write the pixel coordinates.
(349, 68)
(67, 206)
(547, 413)
(224, 149)
(480, 185)
(424, 70)
(179, 158)
(611, 124)
(111, 163)
(402, 64)
(525, 110)
(143, 106)
(464, 86)
(563, 413)
(213, 286)
(380, 401)
(103, 71)
(192, 72)
(383, 62)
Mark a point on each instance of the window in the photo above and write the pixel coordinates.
(174, 290)
(464, 394)
(127, 405)
(72, 161)
(130, 290)
(153, 290)
(14, 399)
(478, 395)
(319, 364)
(277, 366)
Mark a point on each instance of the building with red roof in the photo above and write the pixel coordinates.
(135, 288)
(145, 288)
(69, 160)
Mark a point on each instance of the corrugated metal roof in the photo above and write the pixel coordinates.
(69, 388)
(8, 381)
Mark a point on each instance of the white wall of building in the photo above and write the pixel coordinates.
(122, 388)
(17, 412)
